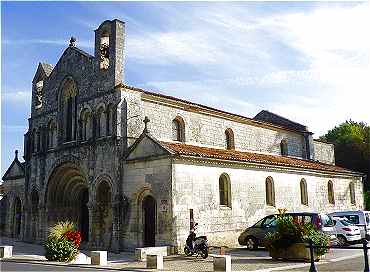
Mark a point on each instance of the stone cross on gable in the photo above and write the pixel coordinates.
(146, 121)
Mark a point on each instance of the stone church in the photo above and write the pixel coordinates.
(135, 168)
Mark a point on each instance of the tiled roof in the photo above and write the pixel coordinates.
(233, 155)
(202, 106)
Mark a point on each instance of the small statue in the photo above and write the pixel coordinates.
(72, 42)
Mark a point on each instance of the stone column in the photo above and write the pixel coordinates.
(92, 220)
(115, 246)
(42, 223)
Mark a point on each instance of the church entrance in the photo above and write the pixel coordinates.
(84, 215)
(67, 197)
(104, 222)
(149, 217)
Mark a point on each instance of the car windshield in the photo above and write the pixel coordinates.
(259, 223)
(270, 222)
(326, 221)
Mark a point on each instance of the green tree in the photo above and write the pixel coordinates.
(352, 146)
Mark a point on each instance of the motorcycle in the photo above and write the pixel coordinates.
(196, 245)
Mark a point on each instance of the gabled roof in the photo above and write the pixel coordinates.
(15, 170)
(43, 71)
(146, 146)
(193, 104)
(48, 68)
(276, 119)
(181, 149)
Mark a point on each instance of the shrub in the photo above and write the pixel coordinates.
(63, 242)
(60, 250)
(289, 232)
(61, 228)
(73, 236)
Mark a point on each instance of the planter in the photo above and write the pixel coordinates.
(295, 252)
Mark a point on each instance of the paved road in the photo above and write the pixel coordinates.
(351, 265)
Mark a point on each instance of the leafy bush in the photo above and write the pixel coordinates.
(60, 250)
(289, 232)
(73, 236)
(61, 228)
(63, 242)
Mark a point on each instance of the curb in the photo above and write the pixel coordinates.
(59, 264)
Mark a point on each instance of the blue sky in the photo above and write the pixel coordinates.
(308, 61)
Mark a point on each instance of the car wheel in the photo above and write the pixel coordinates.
(251, 243)
(342, 241)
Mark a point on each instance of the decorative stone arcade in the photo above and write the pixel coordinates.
(67, 198)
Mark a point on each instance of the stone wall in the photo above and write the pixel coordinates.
(143, 178)
(222, 224)
(209, 130)
(324, 152)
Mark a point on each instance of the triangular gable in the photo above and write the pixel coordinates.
(146, 146)
(69, 54)
(42, 72)
(15, 171)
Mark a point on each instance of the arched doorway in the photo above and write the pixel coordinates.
(67, 197)
(84, 215)
(149, 219)
(104, 226)
(3, 215)
(17, 217)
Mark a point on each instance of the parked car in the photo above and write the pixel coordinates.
(254, 236)
(346, 232)
(359, 218)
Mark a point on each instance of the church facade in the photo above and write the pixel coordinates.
(136, 168)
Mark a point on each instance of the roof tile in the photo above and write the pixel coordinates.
(233, 155)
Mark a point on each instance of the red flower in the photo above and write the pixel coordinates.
(73, 236)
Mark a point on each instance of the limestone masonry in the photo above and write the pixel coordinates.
(135, 168)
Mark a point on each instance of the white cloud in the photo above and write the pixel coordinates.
(17, 98)
(79, 43)
(331, 40)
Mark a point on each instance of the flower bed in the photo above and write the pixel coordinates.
(63, 242)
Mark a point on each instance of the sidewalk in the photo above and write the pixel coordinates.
(242, 259)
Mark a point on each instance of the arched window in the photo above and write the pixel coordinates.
(284, 147)
(86, 125)
(178, 129)
(304, 195)
(110, 119)
(352, 192)
(39, 139)
(225, 190)
(68, 106)
(51, 139)
(270, 191)
(100, 122)
(229, 137)
(331, 192)
(34, 141)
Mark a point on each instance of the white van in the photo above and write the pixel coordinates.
(359, 218)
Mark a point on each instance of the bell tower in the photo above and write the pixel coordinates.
(109, 51)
